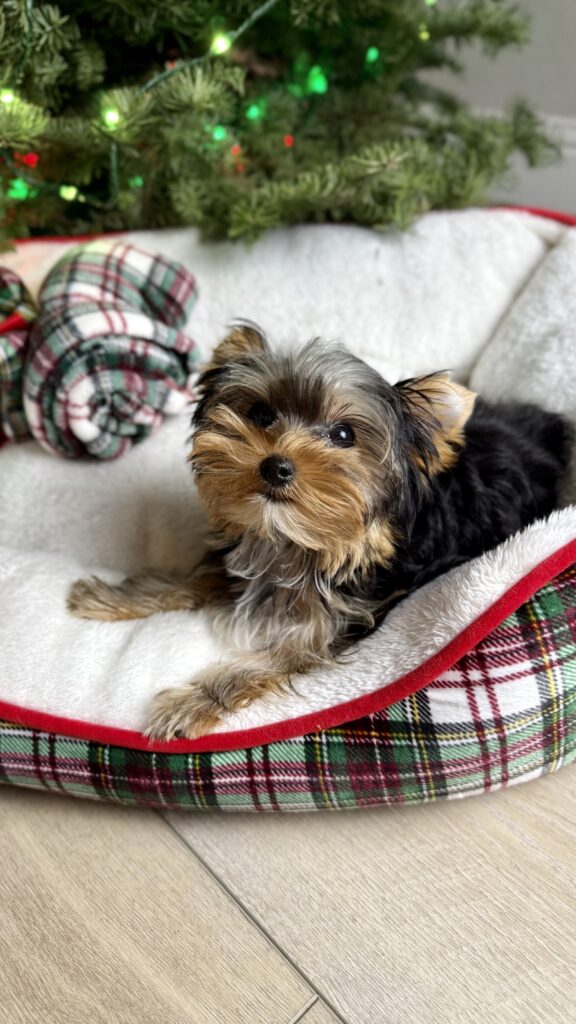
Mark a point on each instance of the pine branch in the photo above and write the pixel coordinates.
(305, 110)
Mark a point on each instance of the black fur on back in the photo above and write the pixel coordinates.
(506, 476)
(507, 465)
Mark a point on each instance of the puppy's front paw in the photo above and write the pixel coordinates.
(194, 710)
(182, 712)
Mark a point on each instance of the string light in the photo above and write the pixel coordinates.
(220, 43)
(255, 111)
(424, 33)
(430, 3)
(316, 80)
(18, 189)
(372, 54)
(239, 158)
(28, 159)
(111, 117)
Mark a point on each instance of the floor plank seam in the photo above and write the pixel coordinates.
(254, 920)
(302, 1013)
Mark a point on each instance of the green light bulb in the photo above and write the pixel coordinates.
(136, 181)
(424, 33)
(18, 189)
(372, 54)
(68, 192)
(7, 96)
(220, 43)
(317, 81)
(254, 112)
(219, 133)
(111, 117)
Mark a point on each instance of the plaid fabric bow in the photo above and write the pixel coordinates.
(106, 357)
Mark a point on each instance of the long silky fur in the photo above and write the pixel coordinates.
(416, 496)
(434, 477)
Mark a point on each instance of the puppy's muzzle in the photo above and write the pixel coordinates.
(276, 471)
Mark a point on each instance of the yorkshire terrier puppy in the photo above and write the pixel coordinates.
(331, 495)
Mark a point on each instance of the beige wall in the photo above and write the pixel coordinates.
(545, 73)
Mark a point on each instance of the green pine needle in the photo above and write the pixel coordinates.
(318, 111)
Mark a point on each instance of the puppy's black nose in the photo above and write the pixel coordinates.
(276, 471)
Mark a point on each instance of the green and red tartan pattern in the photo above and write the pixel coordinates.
(505, 712)
(106, 357)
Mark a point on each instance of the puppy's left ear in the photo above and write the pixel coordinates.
(242, 340)
(438, 409)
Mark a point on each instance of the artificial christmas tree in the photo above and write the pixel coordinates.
(238, 117)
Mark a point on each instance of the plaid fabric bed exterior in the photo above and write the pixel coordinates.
(107, 356)
(504, 713)
(16, 311)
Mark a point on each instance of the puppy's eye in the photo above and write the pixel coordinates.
(342, 435)
(261, 414)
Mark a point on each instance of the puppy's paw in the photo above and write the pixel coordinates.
(182, 712)
(194, 710)
(94, 599)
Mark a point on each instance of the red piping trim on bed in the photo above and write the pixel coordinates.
(562, 218)
(336, 715)
(65, 239)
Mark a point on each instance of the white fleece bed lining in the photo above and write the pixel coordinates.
(510, 305)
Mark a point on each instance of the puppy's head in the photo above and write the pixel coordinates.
(315, 446)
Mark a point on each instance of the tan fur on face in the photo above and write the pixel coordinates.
(324, 509)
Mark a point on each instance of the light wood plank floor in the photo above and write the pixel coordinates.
(449, 913)
(108, 918)
(319, 1014)
(457, 913)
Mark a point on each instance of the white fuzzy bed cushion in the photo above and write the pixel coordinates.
(490, 294)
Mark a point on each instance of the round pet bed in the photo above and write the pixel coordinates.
(469, 685)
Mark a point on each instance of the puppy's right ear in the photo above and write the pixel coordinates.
(242, 340)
